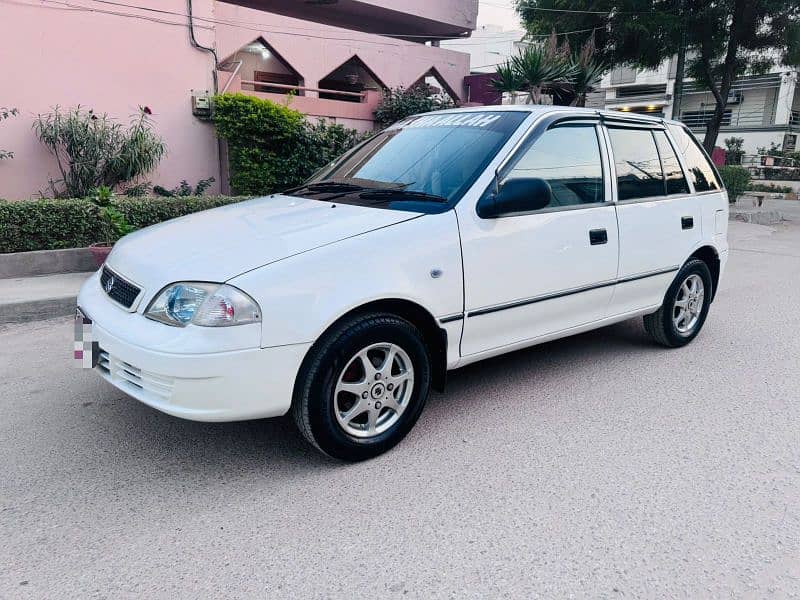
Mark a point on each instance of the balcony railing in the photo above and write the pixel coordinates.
(698, 119)
(252, 86)
(354, 109)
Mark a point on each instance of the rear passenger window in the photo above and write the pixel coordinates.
(700, 170)
(637, 163)
(568, 158)
(676, 182)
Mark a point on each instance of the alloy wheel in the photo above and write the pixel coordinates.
(688, 304)
(373, 390)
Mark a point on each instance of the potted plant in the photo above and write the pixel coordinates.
(116, 224)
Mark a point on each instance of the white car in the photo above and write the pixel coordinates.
(443, 240)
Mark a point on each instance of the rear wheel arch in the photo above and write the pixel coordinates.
(710, 256)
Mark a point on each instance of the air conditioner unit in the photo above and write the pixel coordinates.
(735, 97)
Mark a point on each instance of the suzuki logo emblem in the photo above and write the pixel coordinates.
(109, 285)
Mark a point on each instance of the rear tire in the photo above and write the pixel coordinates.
(363, 386)
(685, 307)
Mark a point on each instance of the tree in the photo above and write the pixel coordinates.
(587, 73)
(543, 67)
(549, 68)
(507, 80)
(725, 39)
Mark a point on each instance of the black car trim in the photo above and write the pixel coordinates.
(587, 288)
(451, 318)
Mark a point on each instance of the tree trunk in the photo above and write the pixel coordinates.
(728, 76)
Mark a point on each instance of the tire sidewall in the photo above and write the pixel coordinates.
(327, 432)
(693, 267)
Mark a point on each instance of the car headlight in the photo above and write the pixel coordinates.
(204, 304)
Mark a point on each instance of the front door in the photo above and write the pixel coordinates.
(530, 275)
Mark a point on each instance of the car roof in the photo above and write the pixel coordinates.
(543, 109)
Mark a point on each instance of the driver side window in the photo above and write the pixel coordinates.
(568, 159)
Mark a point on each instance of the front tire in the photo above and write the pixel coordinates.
(685, 307)
(363, 386)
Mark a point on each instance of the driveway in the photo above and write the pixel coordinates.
(598, 466)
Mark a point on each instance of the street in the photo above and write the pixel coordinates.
(598, 466)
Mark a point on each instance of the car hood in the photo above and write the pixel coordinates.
(219, 244)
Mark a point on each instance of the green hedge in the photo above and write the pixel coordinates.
(272, 147)
(52, 224)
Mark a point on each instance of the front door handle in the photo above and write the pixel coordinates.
(598, 237)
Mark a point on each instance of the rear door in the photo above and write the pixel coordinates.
(659, 218)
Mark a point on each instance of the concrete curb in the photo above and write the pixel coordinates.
(46, 262)
(758, 217)
(37, 310)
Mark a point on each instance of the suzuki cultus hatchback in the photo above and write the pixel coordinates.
(443, 240)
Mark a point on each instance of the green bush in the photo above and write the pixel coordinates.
(52, 224)
(272, 147)
(399, 103)
(736, 180)
(770, 187)
(93, 150)
(143, 212)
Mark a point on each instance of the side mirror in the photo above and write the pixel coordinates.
(516, 196)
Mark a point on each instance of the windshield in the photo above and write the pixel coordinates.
(423, 163)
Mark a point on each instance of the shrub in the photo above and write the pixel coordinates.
(736, 180)
(770, 187)
(272, 147)
(183, 189)
(734, 150)
(51, 224)
(93, 150)
(143, 212)
(399, 103)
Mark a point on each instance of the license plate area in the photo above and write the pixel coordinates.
(86, 351)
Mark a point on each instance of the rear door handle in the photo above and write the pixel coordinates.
(598, 237)
(687, 222)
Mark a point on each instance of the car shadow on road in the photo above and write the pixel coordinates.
(276, 445)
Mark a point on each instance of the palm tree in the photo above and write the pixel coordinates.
(586, 75)
(542, 67)
(507, 80)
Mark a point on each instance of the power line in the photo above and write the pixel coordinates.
(579, 12)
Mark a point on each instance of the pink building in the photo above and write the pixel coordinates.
(113, 57)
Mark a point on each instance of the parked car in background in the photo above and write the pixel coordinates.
(445, 239)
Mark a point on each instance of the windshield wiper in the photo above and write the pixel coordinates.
(401, 194)
(327, 187)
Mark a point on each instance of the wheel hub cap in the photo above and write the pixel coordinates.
(373, 390)
(688, 304)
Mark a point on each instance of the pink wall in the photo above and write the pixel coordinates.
(316, 50)
(112, 64)
(114, 59)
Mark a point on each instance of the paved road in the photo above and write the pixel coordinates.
(600, 466)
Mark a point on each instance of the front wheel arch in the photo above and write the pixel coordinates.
(435, 337)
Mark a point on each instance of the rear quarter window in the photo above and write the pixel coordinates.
(701, 171)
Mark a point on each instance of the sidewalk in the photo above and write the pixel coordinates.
(42, 297)
(771, 212)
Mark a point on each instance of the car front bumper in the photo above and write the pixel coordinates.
(231, 385)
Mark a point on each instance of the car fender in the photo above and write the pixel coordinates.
(417, 260)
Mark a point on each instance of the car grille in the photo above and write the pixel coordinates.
(125, 375)
(119, 290)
